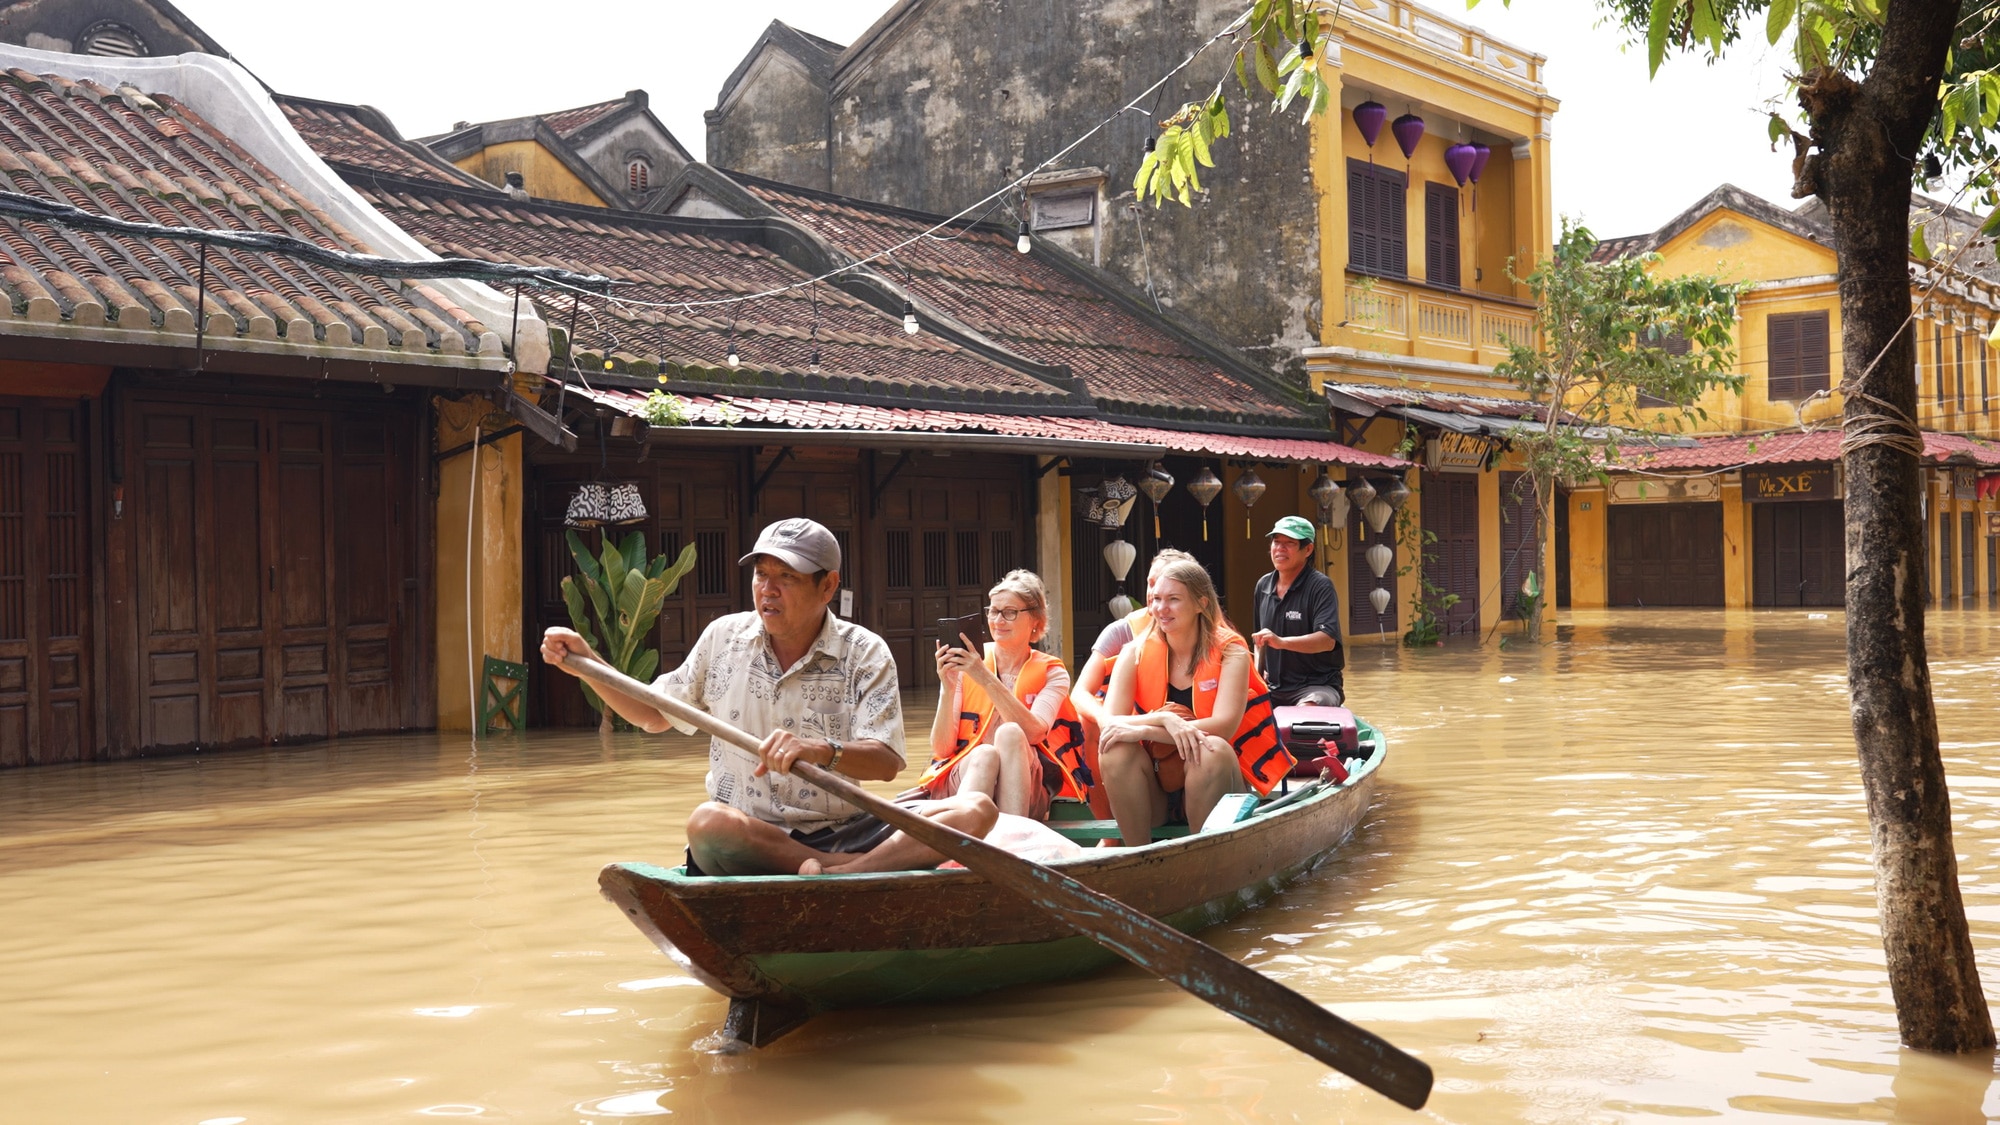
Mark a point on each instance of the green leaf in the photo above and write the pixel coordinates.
(1779, 129)
(645, 665)
(1778, 18)
(634, 551)
(672, 577)
(1658, 24)
(1704, 25)
(1266, 73)
(584, 562)
(579, 613)
(1920, 248)
(613, 562)
(1291, 89)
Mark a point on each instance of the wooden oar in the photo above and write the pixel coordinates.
(1158, 948)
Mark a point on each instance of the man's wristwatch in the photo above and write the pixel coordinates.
(834, 762)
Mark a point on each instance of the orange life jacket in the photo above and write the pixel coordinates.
(1061, 747)
(1139, 621)
(1259, 752)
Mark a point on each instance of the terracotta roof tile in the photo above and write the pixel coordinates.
(148, 159)
(567, 121)
(726, 410)
(862, 349)
(342, 136)
(1739, 450)
(1032, 307)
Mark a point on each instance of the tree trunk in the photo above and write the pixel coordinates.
(1861, 131)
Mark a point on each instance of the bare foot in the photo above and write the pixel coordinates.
(812, 867)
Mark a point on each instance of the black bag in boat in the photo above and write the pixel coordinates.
(1314, 733)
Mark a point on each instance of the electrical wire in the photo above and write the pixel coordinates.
(35, 208)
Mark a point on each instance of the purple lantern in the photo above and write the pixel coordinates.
(1409, 129)
(1458, 158)
(1479, 154)
(1368, 117)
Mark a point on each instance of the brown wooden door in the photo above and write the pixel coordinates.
(1968, 547)
(948, 534)
(1517, 542)
(1665, 554)
(1798, 556)
(270, 573)
(1451, 512)
(45, 681)
(1947, 588)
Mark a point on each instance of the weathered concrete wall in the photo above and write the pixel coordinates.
(607, 155)
(55, 25)
(964, 94)
(774, 123)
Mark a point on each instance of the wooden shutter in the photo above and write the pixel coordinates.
(1937, 362)
(1441, 235)
(1815, 353)
(1783, 334)
(1376, 224)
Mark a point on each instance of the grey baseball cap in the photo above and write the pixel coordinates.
(804, 545)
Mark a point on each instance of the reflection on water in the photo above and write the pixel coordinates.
(1623, 877)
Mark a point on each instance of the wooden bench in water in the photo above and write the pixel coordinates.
(783, 947)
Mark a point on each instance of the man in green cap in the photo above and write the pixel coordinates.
(1298, 622)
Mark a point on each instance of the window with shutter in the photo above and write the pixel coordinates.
(1800, 355)
(1958, 370)
(1441, 235)
(1377, 240)
(1937, 361)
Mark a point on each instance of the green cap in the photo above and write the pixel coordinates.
(1294, 527)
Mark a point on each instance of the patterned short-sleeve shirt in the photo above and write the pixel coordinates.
(845, 687)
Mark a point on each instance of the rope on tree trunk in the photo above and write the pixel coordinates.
(1890, 425)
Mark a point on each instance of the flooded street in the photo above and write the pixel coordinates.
(1622, 877)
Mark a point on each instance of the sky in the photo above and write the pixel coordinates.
(1629, 153)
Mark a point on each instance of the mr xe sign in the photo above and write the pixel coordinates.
(1791, 483)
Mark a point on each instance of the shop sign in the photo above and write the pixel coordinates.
(1452, 452)
(1663, 490)
(1814, 483)
(1964, 483)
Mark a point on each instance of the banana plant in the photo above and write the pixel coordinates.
(613, 601)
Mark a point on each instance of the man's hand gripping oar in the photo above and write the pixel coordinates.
(1152, 945)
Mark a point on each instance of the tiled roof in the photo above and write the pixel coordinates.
(1038, 311)
(357, 138)
(1484, 406)
(153, 160)
(729, 410)
(1796, 448)
(862, 350)
(567, 122)
(1805, 222)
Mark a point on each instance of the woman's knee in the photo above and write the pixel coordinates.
(1010, 739)
(974, 814)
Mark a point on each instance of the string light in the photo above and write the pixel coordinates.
(910, 317)
(732, 359)
(1021, 241)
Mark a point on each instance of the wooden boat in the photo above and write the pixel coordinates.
(783, 947)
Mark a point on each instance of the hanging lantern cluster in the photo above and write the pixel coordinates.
(1249, 489)
(1156, 483)
(597, 504)
(1119, 555)
(1205, 488)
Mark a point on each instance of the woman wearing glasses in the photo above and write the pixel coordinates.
(1005, 726)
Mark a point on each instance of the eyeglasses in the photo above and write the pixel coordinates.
(995, 613)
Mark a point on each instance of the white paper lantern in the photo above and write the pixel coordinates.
(1119, 556)
(1379, 598)
(1122, 605)
(1377, 513)
(1379, 558)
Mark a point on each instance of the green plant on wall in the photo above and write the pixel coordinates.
(613, 601)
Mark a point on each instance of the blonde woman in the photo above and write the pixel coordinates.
(1188, 719)
(1005, 726)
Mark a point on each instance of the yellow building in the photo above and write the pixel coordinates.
(1433, 181)
(1748, 512)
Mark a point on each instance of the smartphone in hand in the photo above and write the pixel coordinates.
(972, 625)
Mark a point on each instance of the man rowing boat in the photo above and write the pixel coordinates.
(825, 689)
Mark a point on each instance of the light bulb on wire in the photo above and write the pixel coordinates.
(813, 364)
(910, 317)
(1021, 241)
(732, 359)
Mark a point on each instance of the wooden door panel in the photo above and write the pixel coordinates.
(302, 558)
(1665, 554)
(237, 572)
(44, 582)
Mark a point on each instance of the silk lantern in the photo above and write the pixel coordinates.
(1368, 118)
(1379, 558)
(1379, 598)
(1409, 129)
(1204, 488)
(1249, 488)
(1156, 483)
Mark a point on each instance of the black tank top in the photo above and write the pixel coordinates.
(1181, 695)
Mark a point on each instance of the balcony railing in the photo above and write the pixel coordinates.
(1445, 34)
(1391, 316)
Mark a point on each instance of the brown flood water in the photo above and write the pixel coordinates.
(1623, 877)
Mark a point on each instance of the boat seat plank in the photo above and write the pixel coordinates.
(1108, 829)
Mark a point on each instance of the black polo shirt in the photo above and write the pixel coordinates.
(1312, 605)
